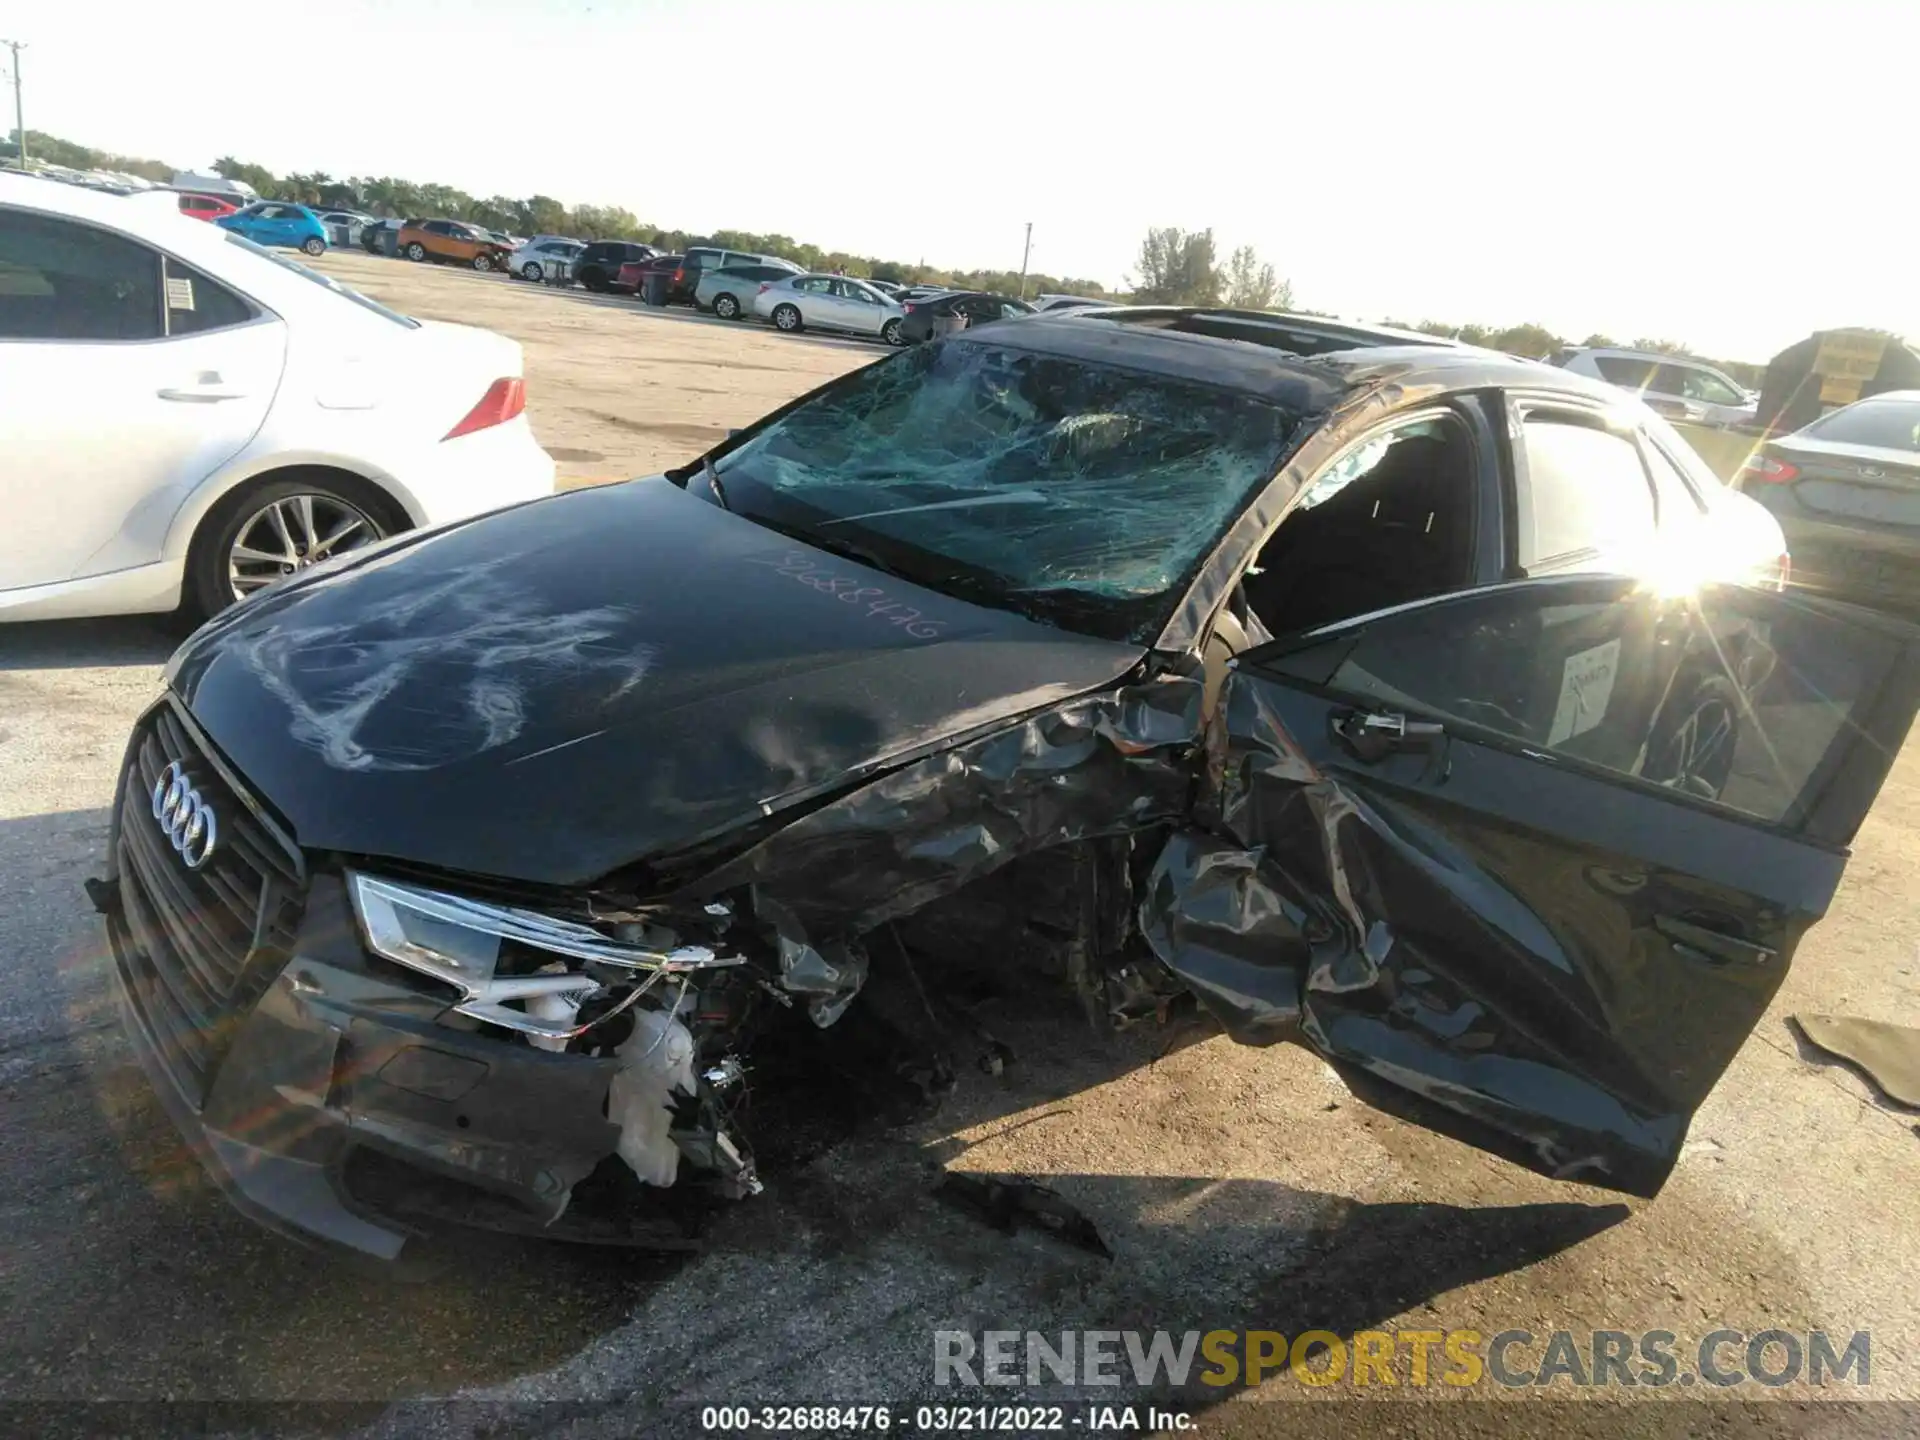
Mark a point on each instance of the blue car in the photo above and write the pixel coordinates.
(276, 222)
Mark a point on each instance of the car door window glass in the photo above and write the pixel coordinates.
(1625, 371)
(1389, 522)
(1691, 383)
(1586, 491)
(1732, 697)
(62, 281)
(196, 303)
(814, 284)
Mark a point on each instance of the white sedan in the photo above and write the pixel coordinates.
(829, 302)
(536, 259)
(189, 417)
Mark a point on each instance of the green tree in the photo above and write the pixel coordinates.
(258, 176)
(1176, 267)
(1250, 284)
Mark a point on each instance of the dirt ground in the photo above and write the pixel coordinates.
(1237, 1189)
(615, 388)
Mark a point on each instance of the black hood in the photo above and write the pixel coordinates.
(550, 693)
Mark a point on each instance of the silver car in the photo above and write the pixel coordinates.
(543, 257)
(1671, 386)
(830, 302)
(728, 291)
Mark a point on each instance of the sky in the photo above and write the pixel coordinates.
(1728, 176)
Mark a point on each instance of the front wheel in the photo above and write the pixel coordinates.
(314, 245)
(726, 307)
(532, 271)
(890, 332)
(593, 280)
(275, 530)
(483, 262)
(416, 251)
(787, 318)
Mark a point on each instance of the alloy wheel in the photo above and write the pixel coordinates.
(291, 533)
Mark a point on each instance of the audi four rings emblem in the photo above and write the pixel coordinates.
(186, 818)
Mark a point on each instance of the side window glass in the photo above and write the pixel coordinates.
(62, 281)
(195, 303)
(1624, 371)
(1729, 696)
(1585, 490)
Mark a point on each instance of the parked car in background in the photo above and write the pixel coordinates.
(537, 258)
(729, 290)
(921, 292)
(979, 308)
(345, 226)
(205, 207)
(829, 302)
(889, 288)
(712, 257)
(1049, 304)
(635, 274)
(598, 266)
(277, 222)
(1846, 491)
(452, 242)
(190, 417)
(1678, 389)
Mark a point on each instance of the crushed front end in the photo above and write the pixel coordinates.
(353, 1053)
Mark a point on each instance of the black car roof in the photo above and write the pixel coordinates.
(1301, 362)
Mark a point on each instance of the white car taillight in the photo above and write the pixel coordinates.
(505, 398)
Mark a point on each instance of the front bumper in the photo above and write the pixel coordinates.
(318, 1052)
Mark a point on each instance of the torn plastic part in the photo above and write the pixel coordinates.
(729, 1070)
(713, 1150)
(830, 974)
(561, 1010)
(656, 1063)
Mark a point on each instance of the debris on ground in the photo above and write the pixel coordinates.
(1005, 1202)
(1888, 1055)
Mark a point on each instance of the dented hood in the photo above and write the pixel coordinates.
(550, 693)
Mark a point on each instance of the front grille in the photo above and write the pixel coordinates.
(204, 943)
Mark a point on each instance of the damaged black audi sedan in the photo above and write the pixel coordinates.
(1432, 709)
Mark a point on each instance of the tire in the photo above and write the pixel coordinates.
(217, 578)
(787, 318)
(483, 262)
(532, 271)
(890, 332)
(314, 245)
(592, 279)
(416, 251)
(726, 307)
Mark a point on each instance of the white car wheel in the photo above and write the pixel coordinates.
(726, 307)
(532, 271)
(787, 318)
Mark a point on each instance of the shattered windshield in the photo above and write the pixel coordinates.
(1084, 495)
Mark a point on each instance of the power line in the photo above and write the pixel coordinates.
(19, 117)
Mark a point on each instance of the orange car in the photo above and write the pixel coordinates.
(452, 240)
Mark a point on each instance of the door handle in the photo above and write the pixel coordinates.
(204, 391)
(1698, 942)
(1375, 736)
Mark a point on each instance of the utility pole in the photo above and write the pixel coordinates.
(19, 119)
(1025, 251)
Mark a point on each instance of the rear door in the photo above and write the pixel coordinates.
(814, 297)
(1527, 863)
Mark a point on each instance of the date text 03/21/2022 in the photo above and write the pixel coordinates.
(944, 1419)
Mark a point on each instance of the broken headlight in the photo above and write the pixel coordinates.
(515, 968)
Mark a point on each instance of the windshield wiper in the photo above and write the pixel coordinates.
(713, 481)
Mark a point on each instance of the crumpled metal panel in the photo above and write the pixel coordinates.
(1298, 915)
(1104, 765)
